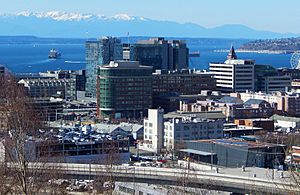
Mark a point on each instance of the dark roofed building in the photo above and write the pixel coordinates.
(257, 102)
(254, 108)
(235, 153)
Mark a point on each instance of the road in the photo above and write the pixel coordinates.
(227, 180)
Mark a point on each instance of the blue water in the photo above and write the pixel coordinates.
(20, 58)
(34, 58)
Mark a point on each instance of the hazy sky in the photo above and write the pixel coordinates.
(274, 15)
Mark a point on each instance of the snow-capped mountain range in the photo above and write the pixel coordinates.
(65, 16)
(78, 25)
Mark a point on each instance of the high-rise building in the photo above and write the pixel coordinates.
(159, 53)
(125, 90)
(234, 75)
(100, 52)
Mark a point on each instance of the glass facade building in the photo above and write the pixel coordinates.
(160, 54)
(124, 91)
(100, 52)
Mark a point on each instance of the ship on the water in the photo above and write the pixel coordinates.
(54, 54)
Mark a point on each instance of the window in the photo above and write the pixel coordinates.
(150, 124)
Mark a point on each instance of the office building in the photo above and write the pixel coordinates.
(234, 75)
(182, 82)
(50, 87)
(160, 54)
(268, 79)
(125, 90)
(169, 86)
(293, 73)
(100, 52)
(276, 83)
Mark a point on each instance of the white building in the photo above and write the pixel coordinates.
(286, 122)
(233, 75)
(153, 131)
(168, 133)
(188, 128)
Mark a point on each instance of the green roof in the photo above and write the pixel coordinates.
(285, 118)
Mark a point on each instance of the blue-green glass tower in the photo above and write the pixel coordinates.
(100, 52)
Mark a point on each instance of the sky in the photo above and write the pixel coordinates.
(273, 15)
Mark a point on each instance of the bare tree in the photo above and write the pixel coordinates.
(25, 172)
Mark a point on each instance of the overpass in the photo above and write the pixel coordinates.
(175, 176)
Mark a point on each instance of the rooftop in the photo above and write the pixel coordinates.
(231, 100)
(285, 118)
(121, 64)
(254, 101)
(203, 115)
(76, 134)
(202, 153)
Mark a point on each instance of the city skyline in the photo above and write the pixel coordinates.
(260, 15)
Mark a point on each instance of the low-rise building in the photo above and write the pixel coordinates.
(153, 131)
(284, 103)
(72, 145)
(233, 130)
(48, 109)
(267, 125)
(287, 123)
(231, 107)
(176, 130)
(49, 87)
(168, 131)
(254, 108)
(235, 153)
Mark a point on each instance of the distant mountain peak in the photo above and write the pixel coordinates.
(72, 24)
(73, 16)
